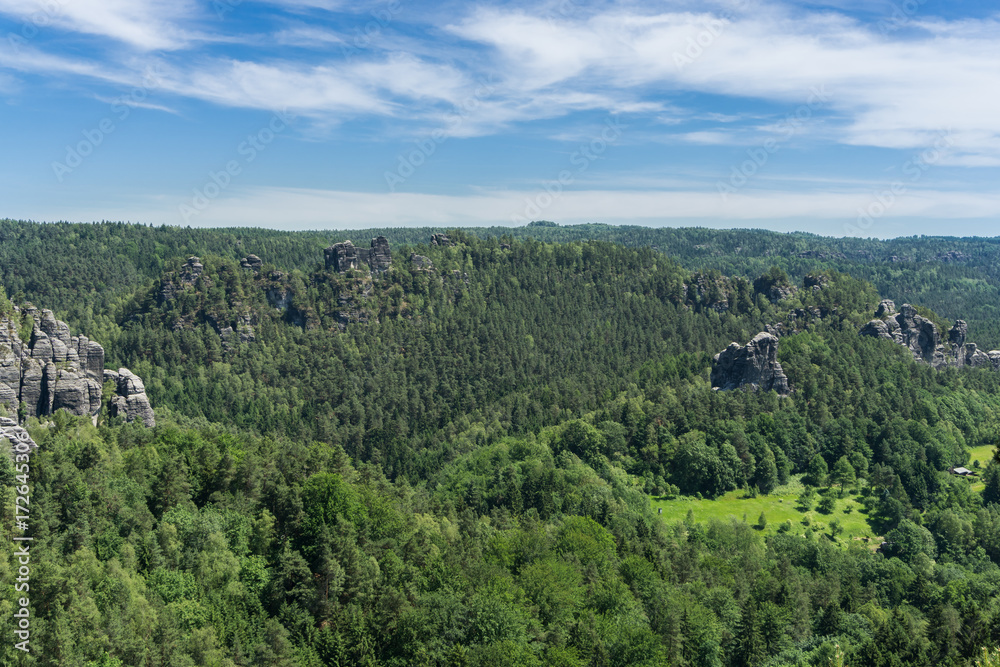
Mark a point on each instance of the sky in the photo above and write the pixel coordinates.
(841, 118)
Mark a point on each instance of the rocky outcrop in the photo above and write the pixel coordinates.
(421, 262)
(958, 333)
(441, 240)
(15, 434)
(131, 402)
(53, 371)
(252, 263)
(343, 256)
(754, 366)
(885, 308)
(815, 282)
(921, 336)
(876, 329)
(190, 271)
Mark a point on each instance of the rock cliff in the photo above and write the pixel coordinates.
(922, 337)
(343, 256)
(754, 365)
(54, 370)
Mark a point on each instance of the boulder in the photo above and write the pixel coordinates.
(876, 329)
(753, 366)
(886, 308)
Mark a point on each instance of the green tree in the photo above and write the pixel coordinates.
(817, 470)
(843, 474)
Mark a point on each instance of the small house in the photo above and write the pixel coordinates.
(962, 472)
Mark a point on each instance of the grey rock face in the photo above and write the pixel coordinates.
(252, 262)
(994, 356)
(919, 334)
(55, 371)
(441, 240)
(131, 401)
(15, 434)
(886, 308)
(379, 257)
(779, 292)
(343, 256)
(921, 337)
(191, 270)
(754, 365)
(958, 333)
(876, 329)
(420, 262)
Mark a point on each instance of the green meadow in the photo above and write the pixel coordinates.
(779, 506)
(782, 505)
(983, 454)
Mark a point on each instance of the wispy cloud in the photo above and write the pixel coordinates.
(146, 25)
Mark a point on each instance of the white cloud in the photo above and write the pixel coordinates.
(892, 92)
(142, 24)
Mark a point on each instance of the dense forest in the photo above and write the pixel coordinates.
(453, 462)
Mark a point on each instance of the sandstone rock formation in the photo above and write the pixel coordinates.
(252, 263)
(921, 336)
(15, 434)
(131, 401)
(343, 256)
(754, 366)
(886, 308)
(441, 240)
(55, 370)
(421, 262)
(815, 282)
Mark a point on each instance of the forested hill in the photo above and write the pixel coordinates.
(81, 270)
(452, 462)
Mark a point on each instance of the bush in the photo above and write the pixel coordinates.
(827, 505)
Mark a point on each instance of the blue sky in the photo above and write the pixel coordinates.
(839, 118)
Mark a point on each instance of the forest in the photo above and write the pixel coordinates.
(456, 462)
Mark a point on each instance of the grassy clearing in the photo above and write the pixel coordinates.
(780, 506)
(983, 454)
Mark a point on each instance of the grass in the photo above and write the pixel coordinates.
(780, 506)
(983, 454)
